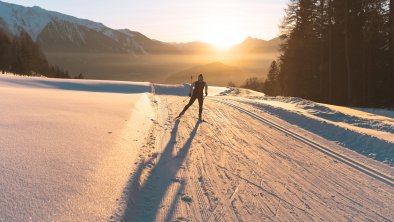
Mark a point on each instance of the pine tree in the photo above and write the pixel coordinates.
(5, 50)
(299, 30)
(253, 83)
(339, 51)
(391, 8)
(271, 85)
(21, 55)
(347, 52)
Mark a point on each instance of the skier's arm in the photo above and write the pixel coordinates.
(206, 89)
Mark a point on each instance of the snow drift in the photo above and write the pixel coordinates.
(367, 131)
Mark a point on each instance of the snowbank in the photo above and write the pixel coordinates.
(75, 85)
(366, 131)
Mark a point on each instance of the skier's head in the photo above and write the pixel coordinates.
(200, 77)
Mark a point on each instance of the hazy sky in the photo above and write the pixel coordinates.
(221, 22)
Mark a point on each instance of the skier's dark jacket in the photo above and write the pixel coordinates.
(199, 88)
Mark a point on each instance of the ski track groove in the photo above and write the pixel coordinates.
(200, 196)
(352, 163)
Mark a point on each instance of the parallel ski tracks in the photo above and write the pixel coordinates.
(339, 157)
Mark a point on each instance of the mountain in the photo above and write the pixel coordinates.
(56, 32)
(254, 45)
(249, 45)
(216, 72)
(196, 47)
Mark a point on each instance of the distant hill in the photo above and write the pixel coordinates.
(215, 73)
(195, 47)
(249, 45)
(253, 45)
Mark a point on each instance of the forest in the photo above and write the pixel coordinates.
(336, 51)
(21, 56)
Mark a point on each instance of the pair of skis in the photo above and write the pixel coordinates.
(199, 119)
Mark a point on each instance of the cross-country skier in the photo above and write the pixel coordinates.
(196, 92)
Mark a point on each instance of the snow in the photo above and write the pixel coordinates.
(232, 167)
(365, 131)
(34, 19)
(91, 150)
(76, 85)
(68, 146)
(127, 32)
(17, 18)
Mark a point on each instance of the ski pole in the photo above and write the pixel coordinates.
(191, 85)
(184, 100)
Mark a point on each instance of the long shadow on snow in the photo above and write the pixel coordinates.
(144, 203)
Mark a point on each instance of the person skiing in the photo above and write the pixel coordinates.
(196, 92)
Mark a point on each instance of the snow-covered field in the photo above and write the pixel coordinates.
(84, 150)
(68, 146)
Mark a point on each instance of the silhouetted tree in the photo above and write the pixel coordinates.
(80, 76)
(26, 57)
(391, 23)
(254, 83)
(21, 55)
(57, 72)
(5, 50)
(271, 85)
(231, 84)
(338, 51)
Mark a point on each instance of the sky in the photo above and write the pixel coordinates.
(220, 22)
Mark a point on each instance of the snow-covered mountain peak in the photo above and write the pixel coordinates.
(57, 32)
(127, 32)
(34, 19)
(17, 18)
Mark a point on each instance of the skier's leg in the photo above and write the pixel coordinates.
(191, 101)
(200, 104)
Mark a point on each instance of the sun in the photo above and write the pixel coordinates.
(222, 34)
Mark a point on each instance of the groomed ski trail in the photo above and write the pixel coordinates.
(233, 167)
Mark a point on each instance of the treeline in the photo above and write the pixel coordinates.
(271, 86)
(20, 55)
(337, 51)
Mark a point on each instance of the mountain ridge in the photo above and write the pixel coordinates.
(214, 71)
(55, 31)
